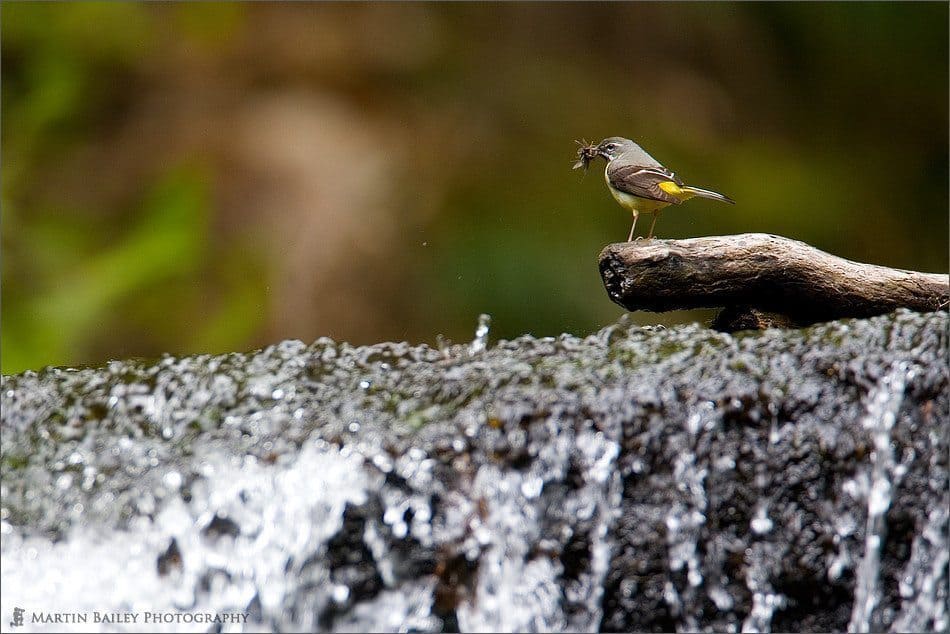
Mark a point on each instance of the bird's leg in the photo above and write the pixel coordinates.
(633, 226)
(656, 215)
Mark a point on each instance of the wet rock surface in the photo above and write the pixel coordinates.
(636, 479)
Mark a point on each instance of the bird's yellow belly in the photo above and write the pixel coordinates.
(635, 203)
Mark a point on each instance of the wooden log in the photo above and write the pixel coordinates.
(764, 273)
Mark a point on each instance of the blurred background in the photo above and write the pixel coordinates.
(210, 177)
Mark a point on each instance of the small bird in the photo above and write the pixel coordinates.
(638, 181)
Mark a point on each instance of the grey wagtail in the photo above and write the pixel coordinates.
(638, 181)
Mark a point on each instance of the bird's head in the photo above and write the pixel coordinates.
(612, 147)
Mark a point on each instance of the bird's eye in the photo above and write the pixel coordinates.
(611, 147)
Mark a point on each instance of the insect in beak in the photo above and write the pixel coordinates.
(585, 154)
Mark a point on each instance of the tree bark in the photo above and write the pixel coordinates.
(762, 273)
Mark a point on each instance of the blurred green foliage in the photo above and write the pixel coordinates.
(80, 285)
(132, 223)
(75, 277)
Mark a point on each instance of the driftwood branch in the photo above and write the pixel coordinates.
(758, 274)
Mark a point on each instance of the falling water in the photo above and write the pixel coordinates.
(884, 402)
(612, 482)
(924, 583)
(764, 599)
(684, 523)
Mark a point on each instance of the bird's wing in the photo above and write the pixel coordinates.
(643, 181)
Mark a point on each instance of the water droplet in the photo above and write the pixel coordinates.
(483, 535)
(480, 342)
(340, 593)
(383, 463)
(725, 463)
(721, 598)
(531, 487)
(628, 587)
(880, 497)
(172, 480)
(694, 577)
(761, 523)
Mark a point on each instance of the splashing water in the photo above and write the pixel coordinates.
(924, 585)
(233, 552)
(629, 480)
(480, 342)
(764, 599)
(684, 523)
(884, 402)
(761, 523)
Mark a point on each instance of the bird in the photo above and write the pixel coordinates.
(638, 181)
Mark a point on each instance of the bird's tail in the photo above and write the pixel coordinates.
(706, 193)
